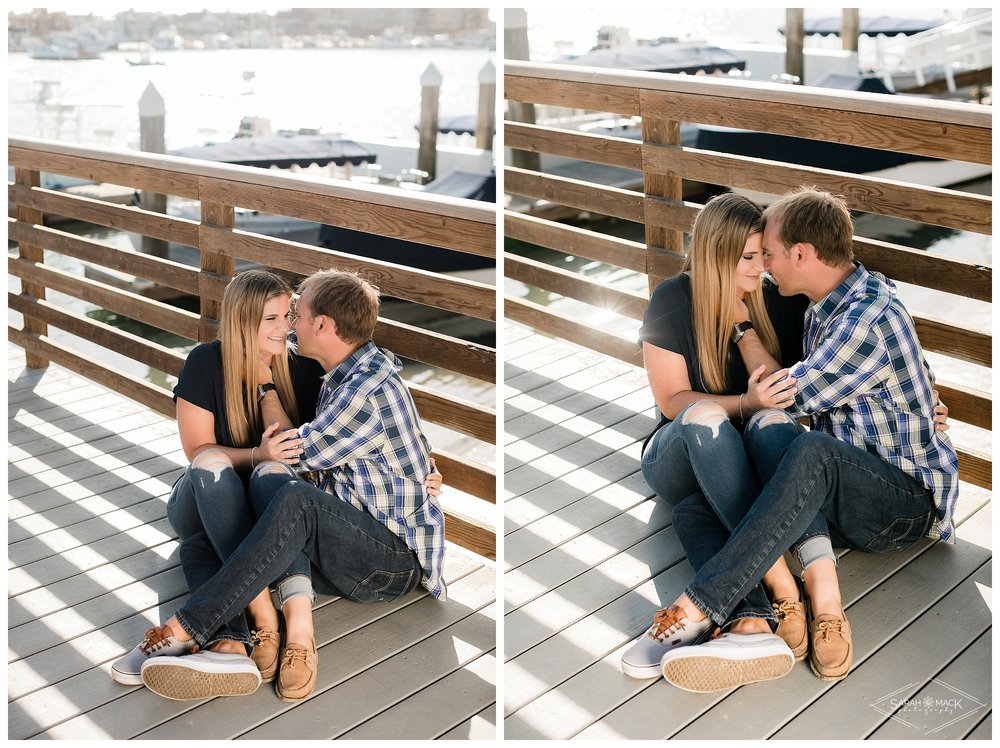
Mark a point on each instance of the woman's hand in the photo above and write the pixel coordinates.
(776, 390)
(283, 446)
(433, 481)
(940, 414)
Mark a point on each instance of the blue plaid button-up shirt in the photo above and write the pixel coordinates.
(865, 381)
(366, 447)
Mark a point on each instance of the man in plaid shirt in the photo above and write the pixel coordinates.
(872, 472)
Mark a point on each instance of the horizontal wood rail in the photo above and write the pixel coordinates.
(458, 225)
(936, 129)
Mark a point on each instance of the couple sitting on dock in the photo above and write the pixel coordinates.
(732, 365)
(342, 504)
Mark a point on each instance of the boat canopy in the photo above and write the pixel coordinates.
(282, 152)
(878, 25)
(662, 58)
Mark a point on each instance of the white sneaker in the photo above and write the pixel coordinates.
(201, 675)
(727, 661)
(670, 629)
(158, 641)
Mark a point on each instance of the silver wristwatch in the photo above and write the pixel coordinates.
(739, 329)
(263, 389)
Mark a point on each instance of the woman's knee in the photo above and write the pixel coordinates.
(769, 417)
(704, 413)
(213, 460)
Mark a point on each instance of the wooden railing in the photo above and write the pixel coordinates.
(961, 132)
(460, 225)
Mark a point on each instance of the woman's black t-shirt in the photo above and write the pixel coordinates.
(668, 324)
(200, 383)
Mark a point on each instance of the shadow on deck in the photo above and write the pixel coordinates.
(93, 563)
(590, 554)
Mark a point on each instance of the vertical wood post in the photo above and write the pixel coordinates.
(214, 214)
(664, 247)
(152, 139)
(486, 115)
(430, 92)
(34, 253)
(515, 39)
(794, 38)
(850, 28)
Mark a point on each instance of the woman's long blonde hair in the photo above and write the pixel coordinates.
(719, 235)
(242, 311)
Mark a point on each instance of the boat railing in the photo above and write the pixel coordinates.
(968, 42)
(937, 129)
(460, 225)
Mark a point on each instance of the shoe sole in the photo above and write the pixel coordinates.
(642, 673)
(184, 684)
(828, 676)
(126, 679)
(709, 674)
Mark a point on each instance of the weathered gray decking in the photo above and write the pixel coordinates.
(93, 563)
(589, 554)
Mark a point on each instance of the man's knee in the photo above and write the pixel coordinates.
(213, 460)
(704, 413)
(814, 444)
(770, 417)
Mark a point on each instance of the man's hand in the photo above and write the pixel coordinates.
(264, 375)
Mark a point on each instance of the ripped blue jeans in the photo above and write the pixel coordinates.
(209, 510)
(711, 474)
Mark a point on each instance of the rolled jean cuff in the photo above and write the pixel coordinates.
(814, 549)
(295, 585)
(763, 615)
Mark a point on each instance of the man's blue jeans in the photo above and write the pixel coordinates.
(352, 553)
(700, 464)
(868, 505)
(209, 511)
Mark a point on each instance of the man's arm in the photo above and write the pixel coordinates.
(752, 350)
(272, 411)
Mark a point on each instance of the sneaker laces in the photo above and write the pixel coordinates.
(157, 638)
(826, 627)
(666, 621)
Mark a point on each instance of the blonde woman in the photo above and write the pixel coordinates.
(222, 432)
(696, 373)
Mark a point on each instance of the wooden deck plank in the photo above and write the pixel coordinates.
(945, 709)
(574, 540)
(86, 586)
(481, 726)
(418, 717)
(984, 730)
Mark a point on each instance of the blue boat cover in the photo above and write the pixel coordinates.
(282, 152)
(662, 58)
